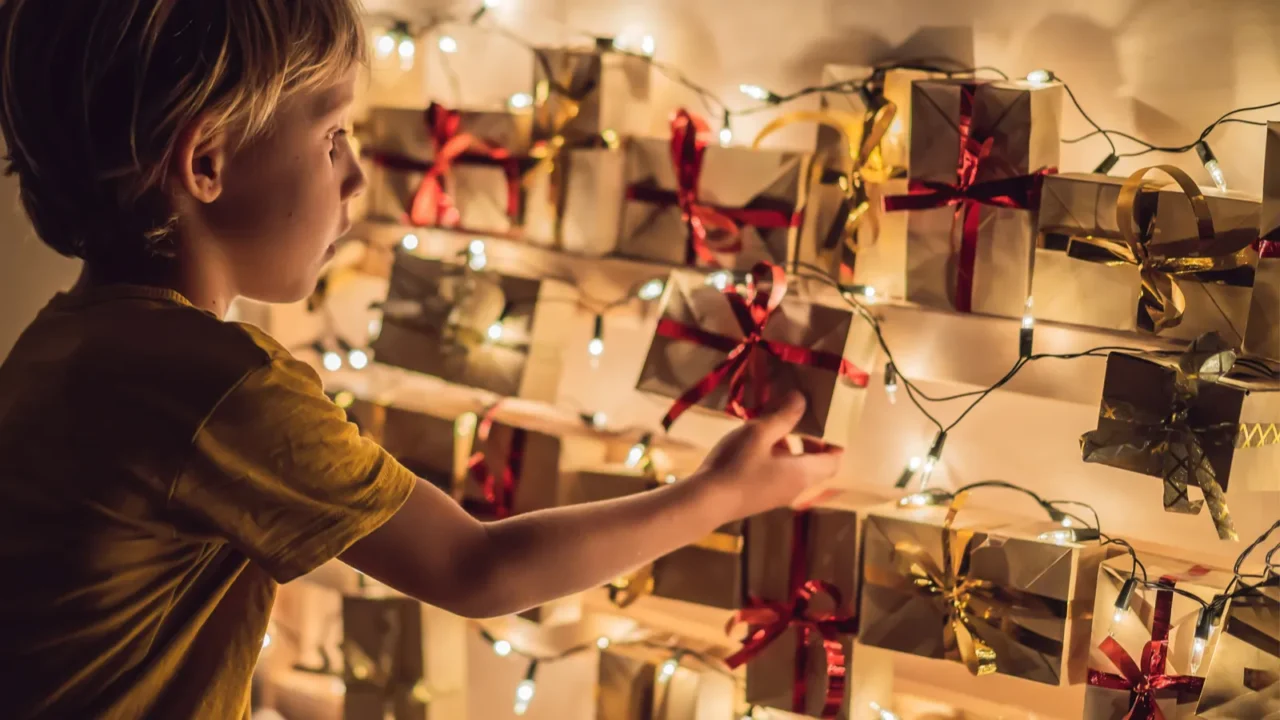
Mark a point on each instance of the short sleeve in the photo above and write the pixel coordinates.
(279, 472)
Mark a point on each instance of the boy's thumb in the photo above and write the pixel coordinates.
(782, 419)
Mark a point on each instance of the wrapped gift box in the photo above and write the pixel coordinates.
(448, 168)
(1160, 417)
(580, 94)
(388, 80)
(400, 660)
(895, 86)
(980, 590)
(979, 151)
(633, 686)
(1086, 272)
(691, 202)
(1263, 334)
(441, 319)
(574, 200)
(706, 573)
(1243, 680)
(424, 444)
(1121, 670)
(699, 328)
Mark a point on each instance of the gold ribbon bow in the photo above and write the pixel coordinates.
(549, 154)
(1162, 303)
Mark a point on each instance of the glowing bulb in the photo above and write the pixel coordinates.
(524, 696)
(610, 137)
(891, 382)
(1040, 77)
(466, 424)
(1211, 165)
(1028, 322)
(1067, 522)
(495, 332)
(1204, 630)
(332, 361)
(409, 242)
(1197, 653)
(385, 45)
(406, 49)
(668, 669)
(1123, 599)
(925, 498)
(344, 399)
(476, 247)
(651, 290)
(520, 101)
(915, 463)
(595, 348)
(670, 479)
(266, 641)
(869, 293)
(883, 713)
(476, 258)
(448, 44)
(1118, 616)
(602, 642)
(375, 327)
(648, 45)
(635, 455)
(720, 280)
(1059, 537)
(358, 359)
(726, 136)
(492, 4)
(755, 92)
(501, 648)
(599, 420)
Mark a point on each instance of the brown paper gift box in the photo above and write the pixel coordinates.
(672, 366)
(400, 660)
(438, 317)
(1263, 334)
(731, 177)
(831, 537)
(1041, 637)
(582, 216)
(1022, 120)
(633, 687)
(1243, 680)
(398, 146)
(1069, 288)
(581, 93)
(707, 573)
(424, 444)
(1133, 632)
(896, 89)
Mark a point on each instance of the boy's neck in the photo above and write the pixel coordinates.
(201, 290)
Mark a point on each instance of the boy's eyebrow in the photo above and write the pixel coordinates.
(333, 101)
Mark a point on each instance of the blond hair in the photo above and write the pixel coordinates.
(96, 92)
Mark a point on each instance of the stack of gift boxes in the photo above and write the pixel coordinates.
(936, 191)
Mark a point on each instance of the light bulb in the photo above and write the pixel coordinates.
(1211, 165)
(726, 136)
(501, 648)
(524, 696)
(1204, 630)
(1123, 599)
(466, 424)
(492, 4)
(651, 290)
(476, 247)
(1197, 652)
(891, 382)
(385, 45)
(635, 455)
(1059, 537)
(1118, 616)
(409, 242)
(495, 332)
(448, 44)
(602, 642)
(476, 259)
(1107, 163)
(520, 101)
(755, 92)
(358, 359)
(869, 293)
(375, 327)
(915, 463)
(1040, 77)
(266, 641)
(720, 280)
(599, 420)
(332, 361)
(670, 479)
(668, 669)
(1028, 322)
(883, 713)
(1067, 522)
(648, 45)
(595, 348)
(406, 48)
(925, 498)
(344, 399)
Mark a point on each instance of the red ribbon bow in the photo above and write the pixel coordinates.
(688, 148)
(1267, 248)
(499, 490)
(1142, 681)
(753, 312)
(1021, 192)
(766, 620)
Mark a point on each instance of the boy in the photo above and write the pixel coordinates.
(164, 469)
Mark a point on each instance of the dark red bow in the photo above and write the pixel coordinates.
(1142, 681)
(499, 489)
(688, 147)
(766, 620)
(967, 194)
(1267, 248)
(753, 312)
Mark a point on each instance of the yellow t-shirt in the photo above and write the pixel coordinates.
(162, 471)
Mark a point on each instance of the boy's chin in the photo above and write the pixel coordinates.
(284, 293)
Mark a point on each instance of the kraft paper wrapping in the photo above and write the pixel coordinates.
(439, 316)
(1133, 632)
(595, 90)
(424, 444)
(479, 189)
(538, 481)
(732, 177)
(1078, 291)
(584, 221)
(630, 688)
(673, 366)
(897, 90)
(708, 573)
(1023, 123)
(1262, 337)
(1243, 680)
(833, 558)
(1028, 600)
(1236, 419)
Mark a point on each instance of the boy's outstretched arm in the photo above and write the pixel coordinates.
(433, 551)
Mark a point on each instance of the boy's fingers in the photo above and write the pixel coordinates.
(781, 420)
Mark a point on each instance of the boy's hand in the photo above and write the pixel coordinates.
(753, 469)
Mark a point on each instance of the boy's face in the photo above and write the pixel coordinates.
(284, 196)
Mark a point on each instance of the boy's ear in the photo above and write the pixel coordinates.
(200, 160)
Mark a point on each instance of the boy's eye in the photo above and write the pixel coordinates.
(333, 139)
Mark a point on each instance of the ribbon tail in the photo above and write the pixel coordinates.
(1162, 303)
(976, 654)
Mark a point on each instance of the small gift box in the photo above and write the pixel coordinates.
(1262, 337)
(979, 151)
(692, 202)
(424, 444)
(580, 94)
(448, 168)
(574, 199)
(979, 590)
(801, 591)
(1201, 419)
(400, 660)
(708, 572)
(735, 349)
(1117, 254)
(648, 683)
(1244, 676)
(1140, 659)
(494, 332)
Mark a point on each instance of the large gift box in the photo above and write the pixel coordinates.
(574, 198)
(1243, 680)
(639, 682)
(691, 202)
(448, 168)
(979, 152)
(978, 589)
(1140, 665)
(1200, 419)
(801, 595)
(423, 443)
(708, 572)
(494, 332)
(1263, 334)
(580, 94)
(894, 86)
(1119, 254)
(735, 350)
